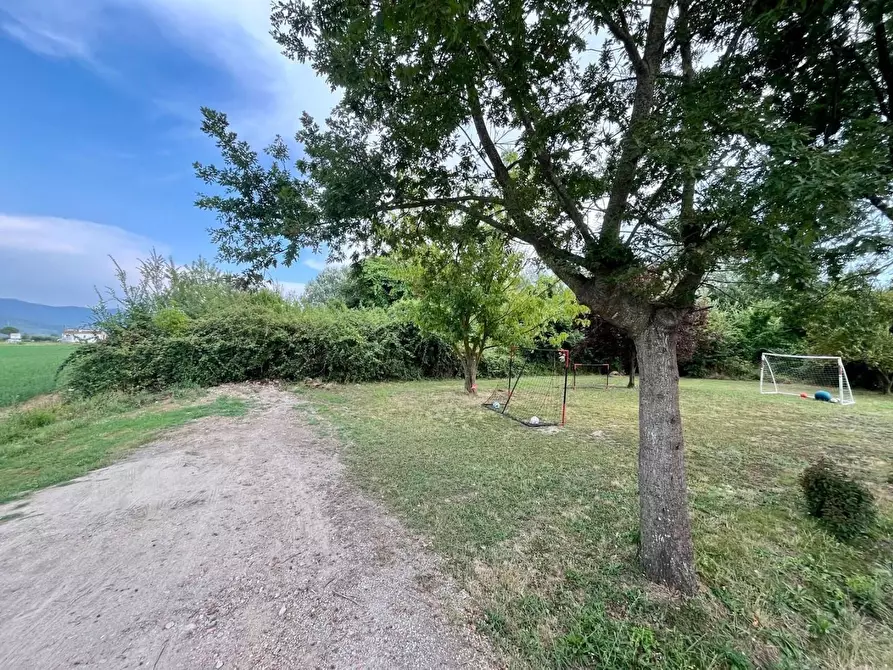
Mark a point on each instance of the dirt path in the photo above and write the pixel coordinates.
(232, 543)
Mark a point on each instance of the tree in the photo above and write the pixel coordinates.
(326, 287)
(368, 282)
(830, 70)
(858, 326)
(374, 282)
(632, 173)
(9, 330)
(472, 293)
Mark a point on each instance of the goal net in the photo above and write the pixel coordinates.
(805, 376)
(591, 375)
(535, 391)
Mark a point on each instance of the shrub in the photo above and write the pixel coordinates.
(845, 507)
(259, 337)
(171, 320)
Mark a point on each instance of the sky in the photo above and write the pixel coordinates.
(99, 127)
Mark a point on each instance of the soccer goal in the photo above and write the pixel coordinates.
(535, 392)
(591, 375)
(806, 376)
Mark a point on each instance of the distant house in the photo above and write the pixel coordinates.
(82, 335)
(15, 338)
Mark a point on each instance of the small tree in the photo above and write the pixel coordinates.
(858, 326)
(473, 294)
(9, 330)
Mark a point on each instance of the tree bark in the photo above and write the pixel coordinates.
(666, 549)
(632, 367)
(888, 383)
(470, 368)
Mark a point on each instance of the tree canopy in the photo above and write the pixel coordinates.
(326, 287)
(474, 295)
(601, 181)
(369, 282)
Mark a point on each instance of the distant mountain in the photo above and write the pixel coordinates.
(35, 319)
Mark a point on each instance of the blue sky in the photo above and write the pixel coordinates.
(99, 127)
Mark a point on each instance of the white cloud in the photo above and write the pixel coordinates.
(57, 261)
(231, 35)
(318, 264)
(46, 42)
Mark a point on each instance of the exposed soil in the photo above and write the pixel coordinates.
(231, 543)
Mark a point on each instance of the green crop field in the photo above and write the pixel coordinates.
(540, 525)
(28, 370)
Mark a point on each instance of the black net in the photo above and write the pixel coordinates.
(534, 390)
(590, 375)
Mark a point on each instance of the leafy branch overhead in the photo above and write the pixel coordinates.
(600, 179)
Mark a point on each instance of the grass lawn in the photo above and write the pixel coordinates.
(28, 370)
(541, 526)
(52, 444)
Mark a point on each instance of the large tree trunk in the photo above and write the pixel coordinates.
(666, 548)
(470, 368)
(888, 383)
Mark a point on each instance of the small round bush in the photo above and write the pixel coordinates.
(844, 506)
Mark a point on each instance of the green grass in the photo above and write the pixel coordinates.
(28, 370)
(540, 526)
(52, 444)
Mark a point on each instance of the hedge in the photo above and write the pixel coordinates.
(255, 342)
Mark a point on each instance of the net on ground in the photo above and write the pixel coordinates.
(806, 376)
(535, 390)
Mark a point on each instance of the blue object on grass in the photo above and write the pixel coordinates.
(823, 395)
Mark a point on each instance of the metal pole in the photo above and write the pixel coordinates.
(567, 357)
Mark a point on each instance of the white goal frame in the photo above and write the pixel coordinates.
(769, 385)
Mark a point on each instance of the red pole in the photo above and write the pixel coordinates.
(567, 358)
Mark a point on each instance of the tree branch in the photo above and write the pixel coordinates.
(647, 207)
(844, 51)
(883, 53)
(631, 145)
(620, 30)
(503, 177)
(434, 202)
(689, 230)
(543, 156)
(882, 206)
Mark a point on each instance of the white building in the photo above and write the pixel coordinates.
(15, 338)
(82, 335)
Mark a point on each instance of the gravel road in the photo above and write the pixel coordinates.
(231, 543)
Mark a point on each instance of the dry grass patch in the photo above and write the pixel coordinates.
(542, 528)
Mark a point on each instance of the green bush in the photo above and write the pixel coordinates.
(844, 506)
(494, 364)
(732, 340)
(171, 320)
(258, 337)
